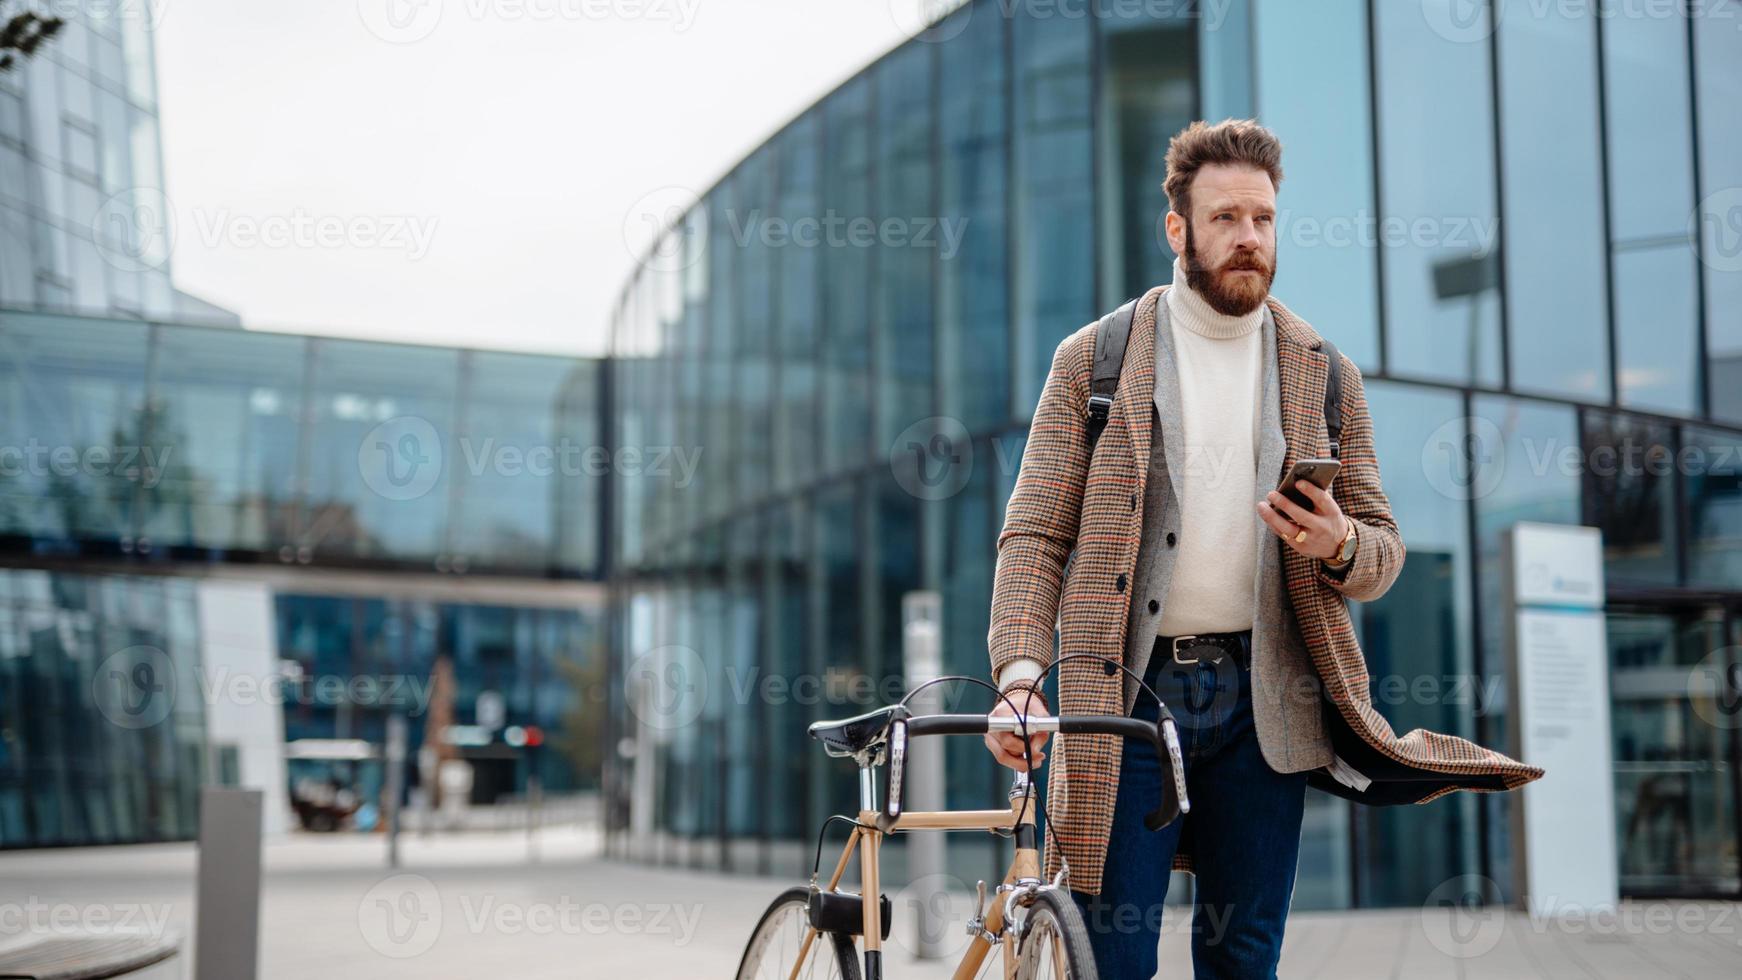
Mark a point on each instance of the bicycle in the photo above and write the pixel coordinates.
(1032, 929)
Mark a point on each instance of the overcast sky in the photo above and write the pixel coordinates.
(460, 171)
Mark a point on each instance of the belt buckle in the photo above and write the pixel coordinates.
(1178, 642)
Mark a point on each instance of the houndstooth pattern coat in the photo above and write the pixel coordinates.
(1066, 514)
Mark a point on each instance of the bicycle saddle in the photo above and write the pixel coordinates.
(854, 735)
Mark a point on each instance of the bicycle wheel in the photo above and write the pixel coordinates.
(1055, 943)
(778, 943)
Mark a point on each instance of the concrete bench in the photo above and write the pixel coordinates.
(91, 958)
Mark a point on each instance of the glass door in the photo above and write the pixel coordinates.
(1675, 717)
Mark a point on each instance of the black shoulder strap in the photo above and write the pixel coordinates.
(1111, 337)
(1334, 398)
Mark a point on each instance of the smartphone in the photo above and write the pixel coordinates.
(1316, 471)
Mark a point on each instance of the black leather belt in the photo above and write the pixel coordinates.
(1206, 648)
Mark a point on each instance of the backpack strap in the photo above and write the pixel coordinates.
(1111, 337)
(1334, 398)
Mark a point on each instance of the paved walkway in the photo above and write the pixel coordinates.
(479, 907)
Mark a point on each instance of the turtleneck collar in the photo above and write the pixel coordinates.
(1188, 308)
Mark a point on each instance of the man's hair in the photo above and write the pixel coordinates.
(1239, 142)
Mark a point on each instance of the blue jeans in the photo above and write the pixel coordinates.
(1244, 833)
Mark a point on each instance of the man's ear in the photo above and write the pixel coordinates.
(1176, 232)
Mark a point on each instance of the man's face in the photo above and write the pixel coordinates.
(1229, 247)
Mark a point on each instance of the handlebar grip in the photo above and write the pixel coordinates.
(1174, 800)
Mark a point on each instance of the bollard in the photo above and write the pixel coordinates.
(227, 900)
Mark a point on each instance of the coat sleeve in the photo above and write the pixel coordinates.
(1379, 547)
(1040, 522)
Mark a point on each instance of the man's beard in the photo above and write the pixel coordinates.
(1228, 295)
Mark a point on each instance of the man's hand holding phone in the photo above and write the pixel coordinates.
(1316, 531)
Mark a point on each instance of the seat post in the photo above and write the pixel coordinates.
(867, 788)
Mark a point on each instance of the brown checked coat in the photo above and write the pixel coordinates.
(1068, 554)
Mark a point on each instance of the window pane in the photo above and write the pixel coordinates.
(1327, 267)
(1629, 486)
(1418, 637)
(797, 269)
(753, 456)
(973, 187)
(1556, 305)
(1656, 328)
(381, 451)
(847, 279)
(1437, 215)
(73, 392)
(1054, 175)
(1645, 72)
(1711, 465)
(229, 412)
(903, 262)
(1718, 59)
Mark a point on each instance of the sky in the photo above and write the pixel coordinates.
(467, 172)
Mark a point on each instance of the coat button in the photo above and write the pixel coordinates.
(1154, 606)
(1109, 668)
(1134, 503)
(1170, 539)
(1119, 583)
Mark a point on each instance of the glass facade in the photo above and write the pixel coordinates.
(84, 226)
(82, 762)
(1465, 213)
(169, 442)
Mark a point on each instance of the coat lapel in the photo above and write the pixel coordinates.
(1167, 395)
(1132, 400)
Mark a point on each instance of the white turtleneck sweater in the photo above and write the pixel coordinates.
(1219, 362)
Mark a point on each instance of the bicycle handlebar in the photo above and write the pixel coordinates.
(1162, 735)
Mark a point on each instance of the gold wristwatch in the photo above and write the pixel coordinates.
(1345, 553)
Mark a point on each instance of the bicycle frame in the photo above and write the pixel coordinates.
(867, 840)
(1017, 820)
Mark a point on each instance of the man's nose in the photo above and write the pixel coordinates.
(1248, 237)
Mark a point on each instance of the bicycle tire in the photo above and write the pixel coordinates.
(794, 901)
(1053, 915)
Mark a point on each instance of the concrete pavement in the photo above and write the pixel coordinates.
(479, 906)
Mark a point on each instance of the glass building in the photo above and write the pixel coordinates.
(1518, 219)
